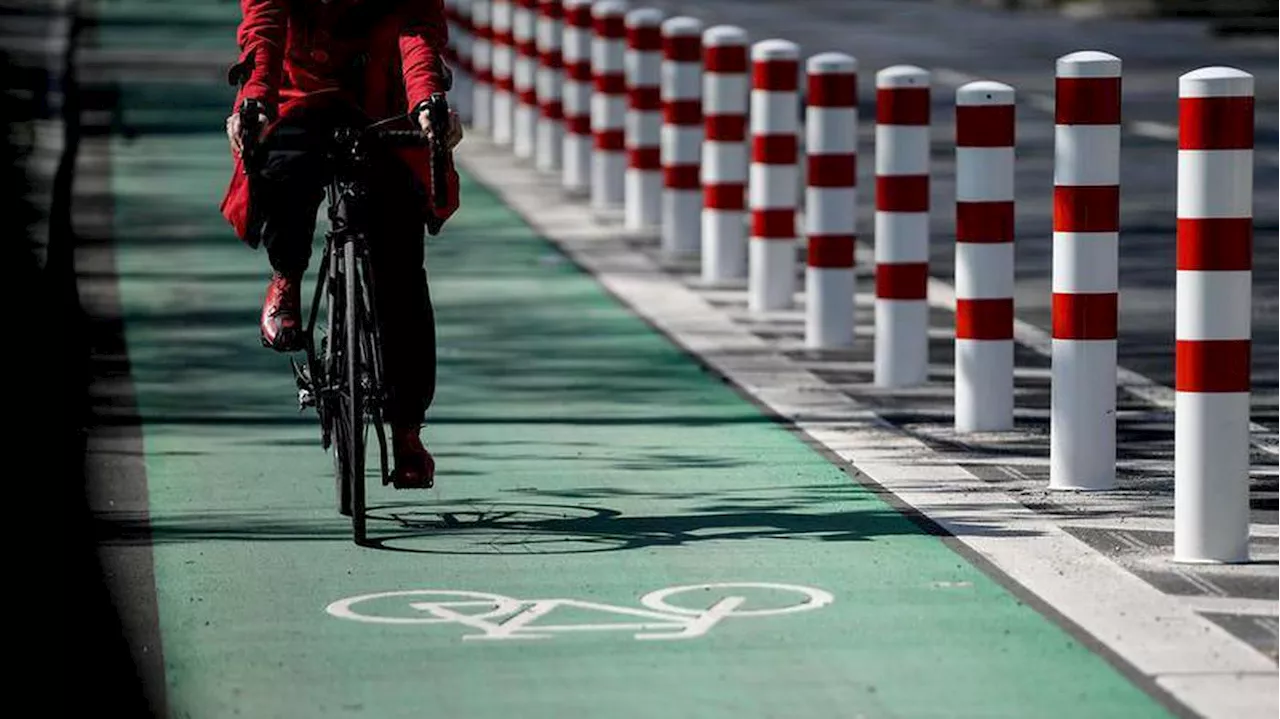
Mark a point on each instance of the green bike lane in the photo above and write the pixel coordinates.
(582, 457)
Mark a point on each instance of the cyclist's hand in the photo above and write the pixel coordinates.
(233, 131)
(455, 128)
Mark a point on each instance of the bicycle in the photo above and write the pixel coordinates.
(341, 376)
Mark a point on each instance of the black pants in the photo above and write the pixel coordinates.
(292, 173)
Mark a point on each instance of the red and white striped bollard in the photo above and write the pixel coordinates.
(549, 147)
(681, 137)
(725, 90)
(609, 105)
(481, 67)
(451, 52)
(1215, 268)
(466, 46)
(576, 164)
(460, 32)
(831, 199)
(503, 82)
(643, 191)
(984, 257)
(1086, 257)
(771, 272)
(467, 94)
(902, 226)
(525, 78)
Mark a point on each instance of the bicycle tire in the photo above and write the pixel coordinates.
(372, 338)
(355, 404)
(335, 394)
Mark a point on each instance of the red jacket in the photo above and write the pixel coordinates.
(383, 56)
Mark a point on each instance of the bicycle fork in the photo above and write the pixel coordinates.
(374, 391)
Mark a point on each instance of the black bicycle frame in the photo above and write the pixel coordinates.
(345, 197)
(351, 364)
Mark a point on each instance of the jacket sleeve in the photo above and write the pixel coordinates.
(261, 37)
(422, 42)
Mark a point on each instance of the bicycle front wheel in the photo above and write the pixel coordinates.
(354, 410)
(335, 396)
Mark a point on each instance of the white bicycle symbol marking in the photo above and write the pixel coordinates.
(498, 617)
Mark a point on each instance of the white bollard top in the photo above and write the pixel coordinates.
(724, 35)
(984, 92)
(775, 50)
(1216, 82)
(682, 27)
(644, 17)
(831, 63)
(571, 4)
(899, 76)
(1089, 63)
(609, 8)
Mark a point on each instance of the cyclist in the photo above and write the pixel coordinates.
(306, 68)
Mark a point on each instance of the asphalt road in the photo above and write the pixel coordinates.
(961, 43)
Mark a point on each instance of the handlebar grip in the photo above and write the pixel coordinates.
(438, 112)
(250, 112)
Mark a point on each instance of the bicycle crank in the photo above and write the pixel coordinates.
(306, 392)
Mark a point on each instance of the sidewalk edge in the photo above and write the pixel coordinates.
(1180, 658)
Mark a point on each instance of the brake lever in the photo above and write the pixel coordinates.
(251, 111)
(437, 106)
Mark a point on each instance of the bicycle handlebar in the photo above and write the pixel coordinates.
(350, 141)
(402, 138)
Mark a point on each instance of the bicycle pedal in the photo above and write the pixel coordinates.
(302, 378)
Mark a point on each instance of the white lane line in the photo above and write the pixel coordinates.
(952, 78)
(1128, 540)
(1044, 103)
(1163, 131)
(1204, 585)
(1151, 129)
(1154, 130)
(1194, 659)
(1262, 608)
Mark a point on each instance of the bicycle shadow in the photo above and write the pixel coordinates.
(488, 527)
(532, 527)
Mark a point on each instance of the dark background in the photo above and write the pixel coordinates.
(64, 639)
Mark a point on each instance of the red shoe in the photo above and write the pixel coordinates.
(281, 322)
(415, 468)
